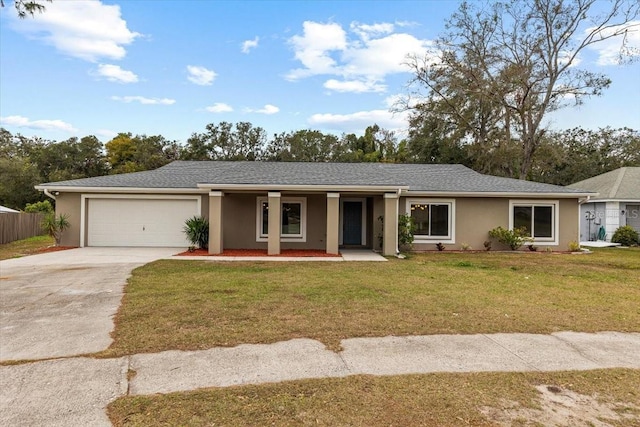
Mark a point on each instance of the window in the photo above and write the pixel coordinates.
(293, 219)
(540, 219)
(433, 219)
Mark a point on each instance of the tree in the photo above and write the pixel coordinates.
(224, 141)
(301, 146)
(501, 67)
(572, 155)
(27, 7)
(19, 177)
(128, 153)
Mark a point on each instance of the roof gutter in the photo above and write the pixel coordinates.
(65, 189)
(540, 195)
(306, 188)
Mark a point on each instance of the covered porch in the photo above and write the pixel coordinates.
(288, 219)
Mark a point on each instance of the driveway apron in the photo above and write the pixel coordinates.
(62, 303)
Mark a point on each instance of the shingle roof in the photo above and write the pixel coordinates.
(418, 177)
(619, 184)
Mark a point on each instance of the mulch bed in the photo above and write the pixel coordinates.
(261, 253)
(54, 249)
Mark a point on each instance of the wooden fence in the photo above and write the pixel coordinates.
(18, 226)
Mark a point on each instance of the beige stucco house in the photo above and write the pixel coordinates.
(327, 206)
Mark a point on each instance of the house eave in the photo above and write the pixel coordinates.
(128, 190)
(503, 194)
(592, 200)
(305, 188)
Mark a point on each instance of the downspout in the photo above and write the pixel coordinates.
(398, 214)
(48, 194)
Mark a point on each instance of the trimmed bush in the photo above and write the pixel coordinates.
(626, 236)
(513, 238)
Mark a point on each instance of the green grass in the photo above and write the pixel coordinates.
(410, 400)
(24, 247)
(191, 305)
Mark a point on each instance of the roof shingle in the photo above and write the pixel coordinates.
(418, 177)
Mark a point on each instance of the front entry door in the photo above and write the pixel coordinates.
(352, 223)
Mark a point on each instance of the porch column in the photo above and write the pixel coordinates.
(390, 237)
(215, 222)
(274, 223)
(333, 221)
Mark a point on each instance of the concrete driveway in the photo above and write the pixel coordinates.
(62, 303)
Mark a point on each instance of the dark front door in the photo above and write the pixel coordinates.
(352, 223)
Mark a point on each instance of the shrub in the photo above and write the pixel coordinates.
(39, 207)
(54, 225)
(513, 238)
(626, 236)
(574, 246)
(487, 245)
(465, 247)
(406, 229)
(440, 246)
(197, 231)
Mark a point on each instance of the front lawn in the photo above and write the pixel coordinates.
(191, 305)
(24, 247)
(483, 399)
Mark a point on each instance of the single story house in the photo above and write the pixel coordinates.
(617, 203)
(327, 206)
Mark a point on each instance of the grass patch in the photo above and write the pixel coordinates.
(29, 246)
(409, 400)
(191, 305)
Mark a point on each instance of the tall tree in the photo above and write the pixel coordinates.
(224, 141)
(501, 67)
(128, 153)
(572, 155)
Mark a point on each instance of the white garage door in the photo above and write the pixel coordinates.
(139, 222)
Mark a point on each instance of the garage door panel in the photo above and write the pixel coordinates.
(139, 222)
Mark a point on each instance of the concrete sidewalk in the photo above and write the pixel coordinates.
(76, 391)
(345, 255)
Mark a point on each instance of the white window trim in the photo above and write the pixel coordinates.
(302, 237)
(363, 236)
(451, 237)
(555, 204)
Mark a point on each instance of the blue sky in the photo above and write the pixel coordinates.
(171, 67)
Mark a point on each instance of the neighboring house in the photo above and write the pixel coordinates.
(274, 206)
(617, 203)
(4, 209)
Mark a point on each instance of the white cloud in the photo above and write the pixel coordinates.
(219, 107)
(366, 31)
(24, 122)
(200, 75)
(85, 29)
(144, 100)
(609, 50)
(247, 45)
(356, 86)
(361, 58)
(114, 73)
(267, 109)
(313, 49)
(358, 121)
